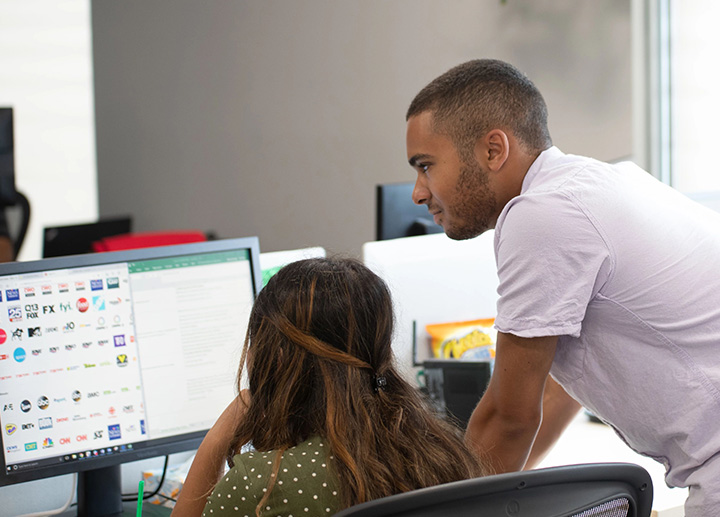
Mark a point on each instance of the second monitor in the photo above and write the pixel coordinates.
(76, 239)
(398, 216)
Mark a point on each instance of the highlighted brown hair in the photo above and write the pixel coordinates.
(319, 336)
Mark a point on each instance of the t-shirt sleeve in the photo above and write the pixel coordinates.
(552, 259)
(234, 493)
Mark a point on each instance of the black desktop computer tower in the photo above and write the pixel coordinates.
(456, 386)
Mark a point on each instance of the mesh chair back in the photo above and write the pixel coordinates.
(591, 490)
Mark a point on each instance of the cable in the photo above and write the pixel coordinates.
(133, 497)
(63, 508)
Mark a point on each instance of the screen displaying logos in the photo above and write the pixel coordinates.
(97, 360)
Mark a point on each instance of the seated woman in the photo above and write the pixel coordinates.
(330, 420)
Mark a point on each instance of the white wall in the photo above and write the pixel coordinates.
(277, 118)
(46, 76)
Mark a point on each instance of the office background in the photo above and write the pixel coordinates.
(277, 118)
(274, 117)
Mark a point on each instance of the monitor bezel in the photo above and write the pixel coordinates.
(160, 446)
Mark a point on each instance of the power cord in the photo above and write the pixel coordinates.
(146, 495)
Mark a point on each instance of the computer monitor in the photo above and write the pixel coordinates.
(7, 158)
(397, 214)
(76, 239)
(113, 357)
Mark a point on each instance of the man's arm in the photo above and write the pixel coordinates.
(559, 409)
(503, 427)
(209, 462)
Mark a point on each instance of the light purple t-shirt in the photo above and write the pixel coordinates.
(627, 272)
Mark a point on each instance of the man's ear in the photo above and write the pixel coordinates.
(492, 149)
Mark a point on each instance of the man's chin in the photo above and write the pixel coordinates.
(463, 234)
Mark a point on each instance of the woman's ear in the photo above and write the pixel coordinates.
(493, 149)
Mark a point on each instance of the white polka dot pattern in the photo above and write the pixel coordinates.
(302, 487)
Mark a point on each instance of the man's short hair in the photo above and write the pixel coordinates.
(470, 99)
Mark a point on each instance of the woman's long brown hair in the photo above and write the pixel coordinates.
(319, 335)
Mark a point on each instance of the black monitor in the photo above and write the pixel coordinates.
(114, 357)
(7, 158)
(76, 239)
(397, 214)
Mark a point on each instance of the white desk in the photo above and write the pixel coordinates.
(588, 442)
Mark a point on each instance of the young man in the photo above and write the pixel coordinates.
(609, 281)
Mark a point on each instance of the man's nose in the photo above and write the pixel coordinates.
(420, 194)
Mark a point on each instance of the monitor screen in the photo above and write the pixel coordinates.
(113, 357)
(75, 239)
(398, 216)
(7, 157)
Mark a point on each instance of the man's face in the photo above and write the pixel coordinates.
(458, 195)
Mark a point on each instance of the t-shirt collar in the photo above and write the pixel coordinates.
(545, 157)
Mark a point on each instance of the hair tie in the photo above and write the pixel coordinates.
(379, 383)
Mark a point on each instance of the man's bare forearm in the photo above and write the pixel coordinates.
(559, 409)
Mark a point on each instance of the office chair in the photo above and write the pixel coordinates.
(590, 490)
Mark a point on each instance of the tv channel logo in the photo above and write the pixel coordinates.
(122, 360)
(31, 311)
(82, 305)
(10, 429)
(25, 406)
(45, 423)
(98, 303)
(96, 285)
(3, 336)
(43, 402)
(12, 294)
(32, 446)
(114, 432)
(15, 313)
(113, 282)
(19, 354)
(119, 340)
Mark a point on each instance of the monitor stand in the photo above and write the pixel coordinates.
(99, 492)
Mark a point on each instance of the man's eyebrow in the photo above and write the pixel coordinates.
(418, 157)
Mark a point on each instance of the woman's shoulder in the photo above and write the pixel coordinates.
(303, 479)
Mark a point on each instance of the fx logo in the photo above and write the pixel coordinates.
(48, 309)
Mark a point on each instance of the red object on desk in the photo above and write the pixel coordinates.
(131, 241)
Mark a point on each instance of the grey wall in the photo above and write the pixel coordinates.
(277, 118)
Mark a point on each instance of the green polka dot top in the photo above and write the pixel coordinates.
(306, 485)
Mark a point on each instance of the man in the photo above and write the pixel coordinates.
(609, 281)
